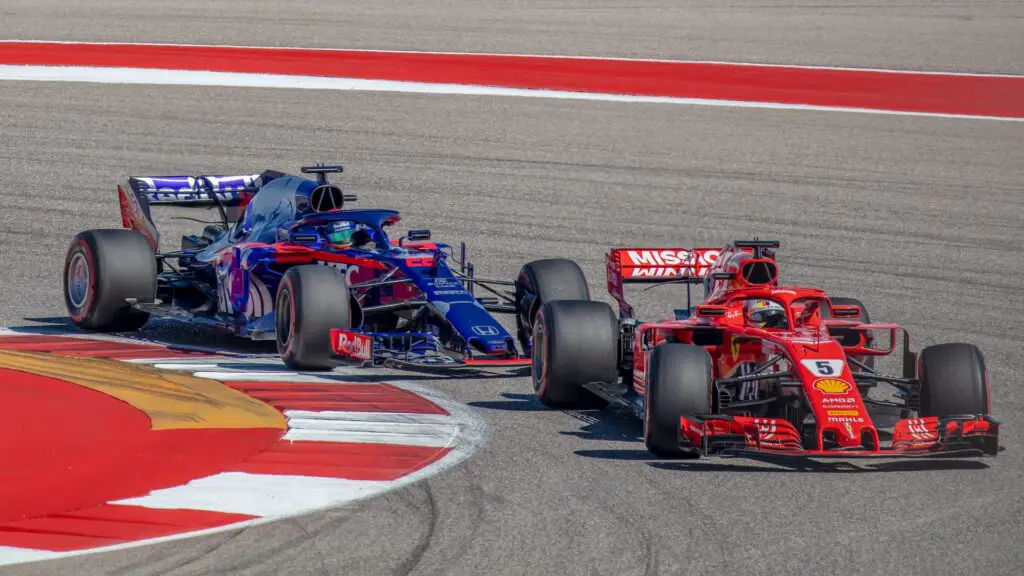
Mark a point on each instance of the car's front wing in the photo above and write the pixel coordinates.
(956, 436)
(414, 351)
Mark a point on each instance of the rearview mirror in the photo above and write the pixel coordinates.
(710, 311)
(413, 236)
(845, 311)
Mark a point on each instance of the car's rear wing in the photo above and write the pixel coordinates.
(228, 190)
(225, 192)
(645, 265)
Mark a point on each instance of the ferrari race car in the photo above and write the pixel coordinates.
(291, 262)
(757, 368)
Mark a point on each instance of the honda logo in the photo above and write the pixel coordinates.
(485, 330)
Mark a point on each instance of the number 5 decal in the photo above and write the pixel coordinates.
(824, 367)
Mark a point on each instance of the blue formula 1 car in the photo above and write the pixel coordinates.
(291, 262)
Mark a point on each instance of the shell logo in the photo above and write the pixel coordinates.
(832, 385)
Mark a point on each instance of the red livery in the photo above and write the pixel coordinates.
(757, 367)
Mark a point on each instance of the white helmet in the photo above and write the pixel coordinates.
(764, 313)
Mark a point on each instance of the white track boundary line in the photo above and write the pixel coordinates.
(131, 76)
(538, 56)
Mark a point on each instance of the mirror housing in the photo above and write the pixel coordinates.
(845, 311)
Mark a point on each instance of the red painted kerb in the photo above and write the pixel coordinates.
(999, 96)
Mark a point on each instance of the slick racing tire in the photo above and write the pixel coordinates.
(953, 380)
(102, 269)
(577, 343)
(311, 301)
(679, 382)
(543, 281)
(850, 336)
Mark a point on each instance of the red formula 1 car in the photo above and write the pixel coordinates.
(757, 368)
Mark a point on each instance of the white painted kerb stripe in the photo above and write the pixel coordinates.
(338, 376)
(258, 494)
(232, 79)
(13, 555)
(433, 430)
(392, 417)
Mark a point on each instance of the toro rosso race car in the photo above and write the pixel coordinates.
(757, 368)
(290, 261)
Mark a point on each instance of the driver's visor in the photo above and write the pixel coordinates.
(340, 237)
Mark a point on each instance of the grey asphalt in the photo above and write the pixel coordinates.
(919, 217)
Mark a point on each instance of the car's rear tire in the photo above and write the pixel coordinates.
(311, 301)
(953, 380)
(679, 382)
(845, 335)
(543, 281)
(577, 343)
(104, 268)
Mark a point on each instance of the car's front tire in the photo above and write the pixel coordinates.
(543, 281)
(679, 382)
(953, 380)
(104, 268)
(311, 301)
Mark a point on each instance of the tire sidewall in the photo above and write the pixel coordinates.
(665, 397)
(577, 348)
(121, 265)
(529, 282)
(943, 395)
(286, 301)
(81, 314)
(541, 354)
(309, 294)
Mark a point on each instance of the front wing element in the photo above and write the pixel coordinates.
(413, 351)
(970, 435)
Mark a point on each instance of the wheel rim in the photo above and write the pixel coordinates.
(284, 319)
(78, 280)
(539, 351)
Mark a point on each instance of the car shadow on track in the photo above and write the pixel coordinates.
(777, 465)
(513, 403)
(824, 467)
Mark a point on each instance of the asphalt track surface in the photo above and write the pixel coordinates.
(919, 217)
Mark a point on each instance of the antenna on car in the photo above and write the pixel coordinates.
(757, 244)
(327, 196)
(322, 171)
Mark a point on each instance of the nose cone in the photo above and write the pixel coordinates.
(491, 347)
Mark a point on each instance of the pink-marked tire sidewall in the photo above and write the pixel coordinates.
(575, 344)
(311, 301)
(104, 268)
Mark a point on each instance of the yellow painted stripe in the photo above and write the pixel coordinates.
(171, 400)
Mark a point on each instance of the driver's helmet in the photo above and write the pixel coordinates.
(764, 313)
(347, 234)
